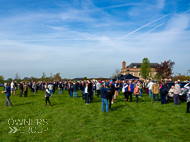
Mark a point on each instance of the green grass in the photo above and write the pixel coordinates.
(69, 119)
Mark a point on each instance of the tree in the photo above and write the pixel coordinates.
(43, 76)
(9, 80)
(1, 79)
(145, 68)
(17, 77)
(85, 78)
(116, 73)
(57, 77)
(164, 70)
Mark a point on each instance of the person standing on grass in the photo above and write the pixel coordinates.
(34, 86)
(130, 89)
(110, 93)
(82, 86)
(136, 92)
(25, 89)
(116, 89)
(155, 90)
(50, 87)
(86, 94)
(7, 94)
(163, 93)
(71, 90)
(103, 92)
(150, 88)
(98, 86)
(141, 88)
(16, 85)
(125, 85)
(177, 91)
(47, 95)
(188, 97)
(90, 95)
(13, 88)
(60, 88)
(75, 89)
(21, 89)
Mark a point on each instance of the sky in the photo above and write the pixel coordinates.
(91, 38)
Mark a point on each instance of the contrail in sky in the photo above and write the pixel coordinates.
(151, 29)
(149, 24)
(143, 26)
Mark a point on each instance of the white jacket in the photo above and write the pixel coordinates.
(150, 85)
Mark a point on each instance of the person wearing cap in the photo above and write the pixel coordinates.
(7, 94)
(155, 90)
(177, 91)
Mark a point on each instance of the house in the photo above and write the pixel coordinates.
(134, 69)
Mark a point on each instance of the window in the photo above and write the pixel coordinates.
(135, 66)
(132, 73)
(139, 74)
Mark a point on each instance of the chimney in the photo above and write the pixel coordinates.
(123, 65)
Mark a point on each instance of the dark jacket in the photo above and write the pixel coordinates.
(162, 90)
(71, 88)
(112, 90)
(103, 92)
(74, 87)
(90, 87)
(21, 86)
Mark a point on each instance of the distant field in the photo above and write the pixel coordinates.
(69, 119)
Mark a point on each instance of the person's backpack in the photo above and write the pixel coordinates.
(165, 90)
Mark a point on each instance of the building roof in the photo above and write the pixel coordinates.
(138, 65)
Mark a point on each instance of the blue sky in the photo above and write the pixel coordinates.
(91, 38)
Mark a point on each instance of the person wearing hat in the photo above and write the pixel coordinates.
(155, 90)
(177, 91)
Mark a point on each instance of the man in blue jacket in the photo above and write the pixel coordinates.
(130, 90)
(103, 92)
(7, 94)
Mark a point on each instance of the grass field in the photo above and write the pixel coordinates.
(69, 119)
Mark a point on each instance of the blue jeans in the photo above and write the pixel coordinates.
(51, 92)
(140, 92)
(98, 93)
(86, 98)
(104, 101)
(154, 97)
(163, 99)
(71, 93)
(75, 93)
(60, 91)
(150, 93)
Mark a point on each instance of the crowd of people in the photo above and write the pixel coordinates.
(107, 90)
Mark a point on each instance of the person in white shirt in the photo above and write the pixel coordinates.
(98, 87)
(12, 88)
(150, 87)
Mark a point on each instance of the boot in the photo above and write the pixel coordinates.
(49, 104)
(45, 104)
